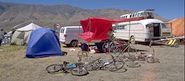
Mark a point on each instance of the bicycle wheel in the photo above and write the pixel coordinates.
(133, 64)
(115, 66)
(91, 67)
(54, 68)
(93, 64)
(114, 48)
(152, 60)
(79, 71)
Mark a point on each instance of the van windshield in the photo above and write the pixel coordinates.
(74, 30)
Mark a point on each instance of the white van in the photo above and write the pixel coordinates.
(69, 35)
(142, 30)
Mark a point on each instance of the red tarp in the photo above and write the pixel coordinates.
(97, 28)
(87, 36)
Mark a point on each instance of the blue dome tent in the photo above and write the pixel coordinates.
(43, 42)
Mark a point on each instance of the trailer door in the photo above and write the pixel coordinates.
(156, 30)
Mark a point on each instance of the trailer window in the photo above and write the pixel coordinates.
(156, 24)
(149, 25)
(164, 26)
(153, 25)
(136, 27)
(120, 27)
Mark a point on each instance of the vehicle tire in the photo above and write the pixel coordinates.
(105, 47)
(113, 48)
(54, 68)
(68, 45)
(109, 47)
(74, 43)
(79, 71)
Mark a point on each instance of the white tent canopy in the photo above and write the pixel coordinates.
(21, 35)
(29, 27)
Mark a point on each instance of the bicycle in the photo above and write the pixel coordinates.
(113, 46)
(112, 65)
(76, 69)
(92, 65)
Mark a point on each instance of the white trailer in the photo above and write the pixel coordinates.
(142, 30)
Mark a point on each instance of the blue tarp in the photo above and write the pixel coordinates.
(43, 42)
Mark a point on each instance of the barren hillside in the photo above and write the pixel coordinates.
(12, 14)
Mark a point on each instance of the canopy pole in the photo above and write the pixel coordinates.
(129, 40)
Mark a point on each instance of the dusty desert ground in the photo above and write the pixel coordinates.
(15, 67)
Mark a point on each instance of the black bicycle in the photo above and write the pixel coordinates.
(76, 69)
(113, 64)
(101, 64)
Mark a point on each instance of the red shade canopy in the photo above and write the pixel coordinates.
(97, 28)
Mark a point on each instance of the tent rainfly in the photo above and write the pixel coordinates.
(43, 42)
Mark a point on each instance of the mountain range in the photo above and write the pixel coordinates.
(12, 14)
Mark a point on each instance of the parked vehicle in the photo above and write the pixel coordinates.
(69, 35)
(142, 30)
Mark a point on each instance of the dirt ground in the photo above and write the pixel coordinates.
(15, 67)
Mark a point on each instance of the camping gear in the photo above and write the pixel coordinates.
(84, 47)
(21, 35)
(177, 26)
(7, 38)
(43, 42)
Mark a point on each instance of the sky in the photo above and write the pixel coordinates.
(168, 9)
